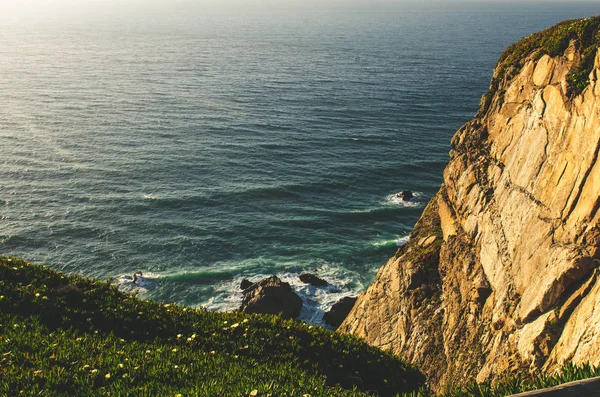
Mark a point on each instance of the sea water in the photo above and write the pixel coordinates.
(204, 148)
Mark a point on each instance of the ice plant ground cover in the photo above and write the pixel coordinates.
(67, 335)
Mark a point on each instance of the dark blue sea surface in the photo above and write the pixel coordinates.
(202, 149)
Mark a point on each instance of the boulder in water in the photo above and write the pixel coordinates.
(339, 311)
(311, 279)
(406, 195)
(245, 284)
(271, 296)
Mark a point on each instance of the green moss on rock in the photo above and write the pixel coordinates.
(554, 41)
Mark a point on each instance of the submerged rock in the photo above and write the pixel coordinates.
(271, 296)
(339, 311)
(311, 279)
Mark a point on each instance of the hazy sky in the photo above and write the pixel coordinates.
(32, 5)
(52, 9)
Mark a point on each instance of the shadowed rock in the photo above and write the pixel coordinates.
(311, 279)
(245, 284)
(406, 195)
(271, 296)
(339, 311)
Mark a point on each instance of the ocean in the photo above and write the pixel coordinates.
(201, 148)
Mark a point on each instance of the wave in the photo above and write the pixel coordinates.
(236, 194)
(223, 284)
(390, 243)
(316, 301)
(387, 209)
(418, 200)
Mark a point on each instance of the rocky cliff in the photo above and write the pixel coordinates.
(501, 271)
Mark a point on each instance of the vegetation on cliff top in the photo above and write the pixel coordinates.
(554, 41)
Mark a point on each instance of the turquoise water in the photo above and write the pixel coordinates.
(202, 149)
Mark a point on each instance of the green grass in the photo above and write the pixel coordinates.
(519, 383)
(554, 41)
(68, 335)
(514, 384)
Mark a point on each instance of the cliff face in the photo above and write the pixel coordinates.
(500, 273)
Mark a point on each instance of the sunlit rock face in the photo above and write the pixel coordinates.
(500, 273)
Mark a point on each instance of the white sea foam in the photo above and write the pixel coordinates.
(143, 284)
(399, 241)
(316, 300)
(151, 196)
(418, 200)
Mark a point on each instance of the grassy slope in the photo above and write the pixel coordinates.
(67, 335)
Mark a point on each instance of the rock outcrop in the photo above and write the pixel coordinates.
(406, 195)
(339, 311)
(271, 296)
(500, 273)
(308, 278)
(246, 284)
